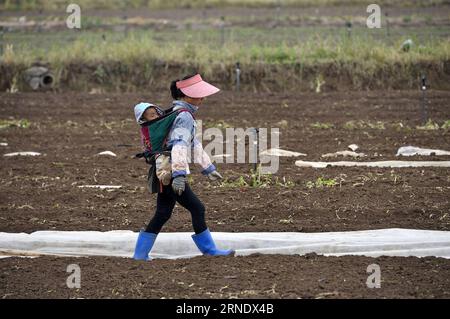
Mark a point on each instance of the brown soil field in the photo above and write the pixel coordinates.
(256, 276)
(41, 193)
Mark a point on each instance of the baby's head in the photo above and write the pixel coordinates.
(146, 112)
(150, 114)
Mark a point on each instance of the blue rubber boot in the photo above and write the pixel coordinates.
(206, 245)
(144, 244)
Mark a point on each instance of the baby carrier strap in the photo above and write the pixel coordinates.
(154, 137)
(155, 132)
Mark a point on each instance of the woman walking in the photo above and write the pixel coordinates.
(188, 95)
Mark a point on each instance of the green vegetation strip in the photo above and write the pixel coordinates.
(314, 59)
(166, 4)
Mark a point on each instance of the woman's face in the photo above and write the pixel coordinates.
(193, 101)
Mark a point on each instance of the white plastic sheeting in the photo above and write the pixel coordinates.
(344, 154)
(375, 164)
(101, 186)
(107, 153)
(22, 154)
(280, 152)
(374, 243)
(353, 147)
(413, 150)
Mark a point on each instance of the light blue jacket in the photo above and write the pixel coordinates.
(182, 137)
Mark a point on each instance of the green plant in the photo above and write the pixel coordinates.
(320, 125)
(14, 85)
(361, 124)
(140, 56)
(239, 183)
(218, 124)
(429, 126)
(446, 125)
(394, 177)
(321, 182)
(166, 4)
(319, 81)
(407, 19)
(399, 126)
(256, 180)
(283, 182)
(14, 123)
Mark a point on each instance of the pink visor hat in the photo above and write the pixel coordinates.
(196, 88)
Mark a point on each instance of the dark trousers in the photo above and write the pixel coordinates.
(165, 203)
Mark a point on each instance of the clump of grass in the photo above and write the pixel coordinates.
(166, 4)
(446, 125)
(321, 182)
(238, 183)
(407, 19)
(134, 59)
(394, 177)
(399, 126)
(360, 124)
(319, 82)
(218, 124)
(362, 54)
(23, 123)
(256, 180)
(320, 125)
(390, 177)
(430, 125)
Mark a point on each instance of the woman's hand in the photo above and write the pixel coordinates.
(214, 175)
(179, 184)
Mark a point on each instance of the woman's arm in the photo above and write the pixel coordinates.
(180, 138)
(201, 158)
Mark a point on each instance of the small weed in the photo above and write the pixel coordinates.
(319, 81)
(360, 124)
(446, 125)
(321, 182)
(324, 126)
(429, 126)
(407, 19)
(14, 123)
(399, 126)
(394, 177)
(256, 180)
(219, 124)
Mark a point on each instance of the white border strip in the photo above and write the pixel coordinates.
(374, 164)
(372, 243)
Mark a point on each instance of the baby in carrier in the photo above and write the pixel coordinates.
(146, 112)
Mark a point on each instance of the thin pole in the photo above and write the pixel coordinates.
(348, 24)
(255, 143)
(423, 87)
(238, 76)
(222, 30)
(1, 41)
(387, 24)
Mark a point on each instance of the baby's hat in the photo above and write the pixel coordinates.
(140, 108)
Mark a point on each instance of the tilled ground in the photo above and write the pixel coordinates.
(42, 193)
(256, 276)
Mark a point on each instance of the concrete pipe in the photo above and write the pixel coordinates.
(46, 81)
(39, 77)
